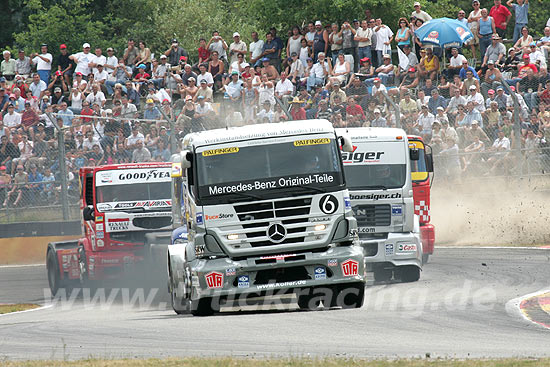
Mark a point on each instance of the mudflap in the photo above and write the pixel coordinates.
(427, 233)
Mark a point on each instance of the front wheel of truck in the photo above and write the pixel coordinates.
(348, 295)
(204, 307)
(54, 278)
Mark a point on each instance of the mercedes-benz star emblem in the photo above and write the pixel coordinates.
(276, 233)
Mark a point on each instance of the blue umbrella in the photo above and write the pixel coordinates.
(444, 32)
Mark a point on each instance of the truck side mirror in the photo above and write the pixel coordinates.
(346, 144)
(88, 213)
(186, 159)
(415, 154)
(429, 159)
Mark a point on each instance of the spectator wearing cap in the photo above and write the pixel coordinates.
(128, 108)
(8, 66)
(141, 78)
(12, 119)
(43, 63)
(386, 71)
(4, 99)
(217, 43)
(501, 15)
(151, 111)
(485, 30)
(284, 89)
(429, 66)
(407, 106)
(337, 93)
(491, 79)
(22, 66)
(496, 52)
(205, 75)
(296, 70)
(64, 64)
(233, 88)
(205, 91)
(58, 81)
(66, 114)
(528, 87)
(236, 48)
(83, 60)
(269, 69)
(320, 40)
(96, 96)
(175, 52)
(100, 75)
(266, 113)
(37, 87)
(296, 110)
(111, 62)
(57, 97)
(378, 120)
(476, 98)
(384, 36)
(159, 71)
(418, 13)
(523, 69)
(203, 109)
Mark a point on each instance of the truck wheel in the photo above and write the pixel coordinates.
(177, 304)
(54, 278)
(203, 307)
(382, 275)
(348, 296)
(425, 258)
(408, 273)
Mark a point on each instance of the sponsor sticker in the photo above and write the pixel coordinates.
(332, 262)
(99, 218)
(176, 170)
(105, 177)
(389, 249)
(293, 283)
(120, 224)
(411, 247)
(200, 219)
(214, 279)
(218, 216)
(230, 271)
(243, 281)
(301, 143)
(396, 210)
(366, 230)
(100, 243)
(350, 268)
(100, 234)
(99, 227)
(347, 202)
(277, 257)
(320, 273)
(219, 151)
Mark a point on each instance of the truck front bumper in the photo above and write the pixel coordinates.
(268, 274)
(397, 249)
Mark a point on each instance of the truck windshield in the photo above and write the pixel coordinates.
(236, 173)
(136, 189)
(378, 176)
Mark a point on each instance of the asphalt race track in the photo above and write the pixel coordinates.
(457, 309)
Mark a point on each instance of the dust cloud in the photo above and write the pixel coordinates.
(491, 213)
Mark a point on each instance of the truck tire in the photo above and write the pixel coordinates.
(408, 273)
(203, 307)
(305, 302)
(425, 258)
(178, 304)
(54, 278)
(348, 296)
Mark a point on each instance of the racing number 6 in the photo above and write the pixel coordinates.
(328, 204)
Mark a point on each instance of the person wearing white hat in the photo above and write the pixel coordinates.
(82, 59)
(236, 48)
(420, 14)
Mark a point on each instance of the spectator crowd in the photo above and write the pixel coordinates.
(115, 107)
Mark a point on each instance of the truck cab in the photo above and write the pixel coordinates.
(266, 209)
(123, 207)
(378, 173)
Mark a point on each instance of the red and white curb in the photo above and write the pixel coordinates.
(533, 308)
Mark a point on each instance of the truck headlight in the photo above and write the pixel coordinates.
(320, 227)
(232, 237)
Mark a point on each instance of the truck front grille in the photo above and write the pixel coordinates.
(152, 223)
(372, 215)
(256, 218)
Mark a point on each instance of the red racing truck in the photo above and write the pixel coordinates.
(420, 171)
(126, 214)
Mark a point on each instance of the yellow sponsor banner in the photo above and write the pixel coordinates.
(208, 153)
(301, 143)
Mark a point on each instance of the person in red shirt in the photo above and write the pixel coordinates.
(142, 77)
(355, 115)
(204, 53)
(86, 111)
(501, 16)
(297, 111)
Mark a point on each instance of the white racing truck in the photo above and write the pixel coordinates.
(267, 213)
(378, 174)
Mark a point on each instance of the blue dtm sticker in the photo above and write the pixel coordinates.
(389, 249)
(347, 202)
(320, 273)
(230, 271)
(396, 210)
(243, 281)
(199, 218)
